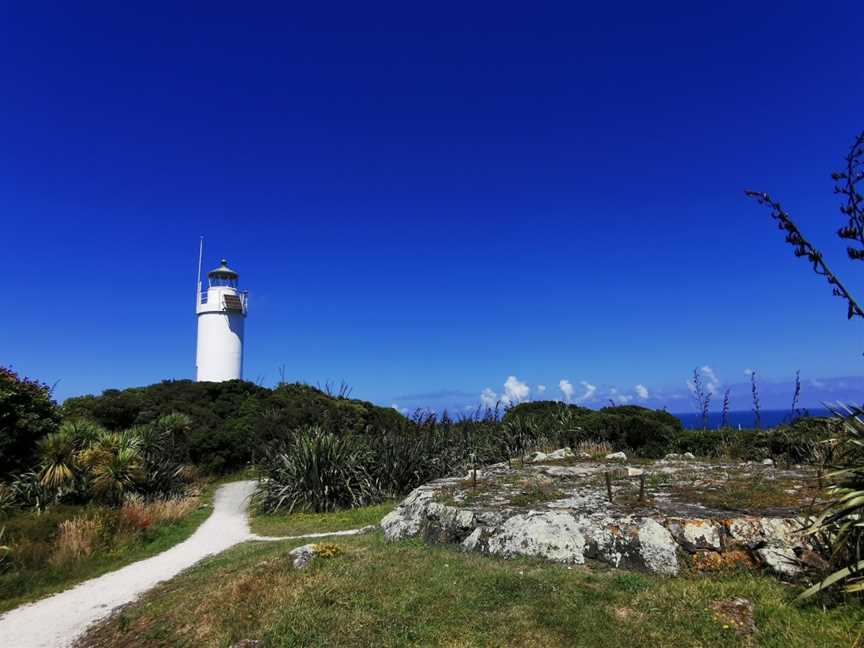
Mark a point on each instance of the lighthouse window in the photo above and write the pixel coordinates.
(223, 281)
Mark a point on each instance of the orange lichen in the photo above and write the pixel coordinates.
(708, 561)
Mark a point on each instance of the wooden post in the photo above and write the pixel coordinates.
(609, 485)
(642, 488)
(819, 477)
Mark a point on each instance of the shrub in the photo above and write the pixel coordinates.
(29, 493)
(83, 432)
(135, 516)
(802, 441)
(162, 446)
(317, 470)
(650, 433)
(27, 413)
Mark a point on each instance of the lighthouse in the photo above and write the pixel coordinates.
(221, 311)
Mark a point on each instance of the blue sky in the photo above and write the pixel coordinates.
(426, 200)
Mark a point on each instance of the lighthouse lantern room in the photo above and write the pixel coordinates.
(221, 313)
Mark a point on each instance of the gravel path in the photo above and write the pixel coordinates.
(58, 620)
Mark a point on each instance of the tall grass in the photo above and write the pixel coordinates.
(77, 538)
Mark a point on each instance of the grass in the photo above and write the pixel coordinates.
(750, 495)
(283, 524)
(756, 492)
(410, 594)
(536, 491)
(33, 537)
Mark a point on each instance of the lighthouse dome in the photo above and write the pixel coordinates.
(223, 272)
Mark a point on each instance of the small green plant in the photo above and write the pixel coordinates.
(328, 550)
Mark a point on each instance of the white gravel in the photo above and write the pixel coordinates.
(57, 621)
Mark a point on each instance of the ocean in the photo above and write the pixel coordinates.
(744, 419)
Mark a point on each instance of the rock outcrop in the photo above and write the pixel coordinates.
(560, 511)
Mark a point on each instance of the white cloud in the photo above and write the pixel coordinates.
(401, 410)
(710, 382)
(748, 372)
(713, 382)
(541, 389)
(488, 398)
(515, 391)
(566, 389)
(618, 397)
(641, 391)
(590, 392)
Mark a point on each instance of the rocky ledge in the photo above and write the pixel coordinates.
(662, 516)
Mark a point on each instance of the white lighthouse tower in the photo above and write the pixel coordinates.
(221, 314)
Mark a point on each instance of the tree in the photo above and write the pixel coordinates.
(27, 414)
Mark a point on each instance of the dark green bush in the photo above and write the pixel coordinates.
(802, 441)
(233, 420)
(27, 413)
(317, 471)
(649, 433)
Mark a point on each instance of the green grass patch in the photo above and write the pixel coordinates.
(410, 594)
(282, 524)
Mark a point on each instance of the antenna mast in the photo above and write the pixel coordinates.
(200, 258)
